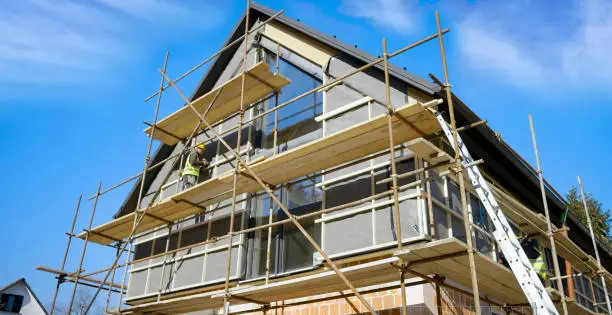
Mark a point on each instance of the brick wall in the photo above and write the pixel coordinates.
(388, 302)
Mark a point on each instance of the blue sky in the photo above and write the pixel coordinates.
(74, 74)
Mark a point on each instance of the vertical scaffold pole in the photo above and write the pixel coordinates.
(110, 291)
(144, 175)
(599, 268)
(78, 271)
(163, 271)
(438, 294)
(70, 234)
(550, 235)
(282, 207)
(238, 166)
(396, 211)
(398, 229)
(459, 169)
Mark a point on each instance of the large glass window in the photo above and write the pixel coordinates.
(294, 123)
(289, 249)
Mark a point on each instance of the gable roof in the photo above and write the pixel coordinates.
(259, 11)
(501, 161)
(23, 280)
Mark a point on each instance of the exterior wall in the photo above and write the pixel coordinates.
(203, 264)
(420, 300)
(30, 305)
(295, 125)
(427, 211)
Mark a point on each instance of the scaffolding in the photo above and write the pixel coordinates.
(488, 280)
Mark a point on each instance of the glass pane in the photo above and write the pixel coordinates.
(304, 193)
(296, 124)
(262, 206)
(454, 196)
(298, 252)
(142, 250)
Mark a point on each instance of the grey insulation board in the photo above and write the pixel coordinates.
(216, 262)
(189, 271)
(351, 233)
(370, 83)
(137, 283)
(155, 275)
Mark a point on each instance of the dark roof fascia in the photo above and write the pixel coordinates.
(528, 173)
(412, 79)
(524, 177)
(262, 12)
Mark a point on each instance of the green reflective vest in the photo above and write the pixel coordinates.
(190, 169)
(539, 265)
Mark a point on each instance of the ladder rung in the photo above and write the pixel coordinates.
(521, 267)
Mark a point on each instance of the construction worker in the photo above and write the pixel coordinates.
(533, 252)
(194, 163)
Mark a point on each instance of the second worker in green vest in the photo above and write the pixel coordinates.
(194, 163)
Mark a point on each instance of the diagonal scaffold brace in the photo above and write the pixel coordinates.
(142, 213)
(269, 191)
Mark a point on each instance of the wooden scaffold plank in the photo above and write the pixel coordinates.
(259, 82)
(365, 138)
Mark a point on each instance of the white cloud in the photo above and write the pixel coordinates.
(535, 47)
(73, 39)
(589, 51)
(393, 14)
(491, 50)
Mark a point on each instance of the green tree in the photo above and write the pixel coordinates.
(600, 218)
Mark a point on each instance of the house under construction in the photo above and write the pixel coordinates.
(334, 187)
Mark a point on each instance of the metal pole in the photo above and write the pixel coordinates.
(146, 166)
(459, 169)
(550, 234)
(59, 278)
(599, 268)
(163, 273)
(279, 203)
(148, 156)
(396, 212)
(593, 297)
(108, 297)
(432, 225)
(125, 269)
(316, 89)
(403, 289)
(238, 162)
(237, 40)
(438, 294)
(138, 219)
(78, 272)
(269, 241)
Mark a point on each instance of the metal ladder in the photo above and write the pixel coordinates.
(504, 235)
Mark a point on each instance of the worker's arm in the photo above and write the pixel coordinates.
(195, 161)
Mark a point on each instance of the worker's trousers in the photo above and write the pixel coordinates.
(189, 181)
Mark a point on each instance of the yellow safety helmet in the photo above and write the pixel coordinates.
(201, 146)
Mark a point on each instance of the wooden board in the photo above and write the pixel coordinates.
(428, 151)
(494, 280)
(573, 307)
(358, 141)
(318, 282)
(533, 223)
(259, 82)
